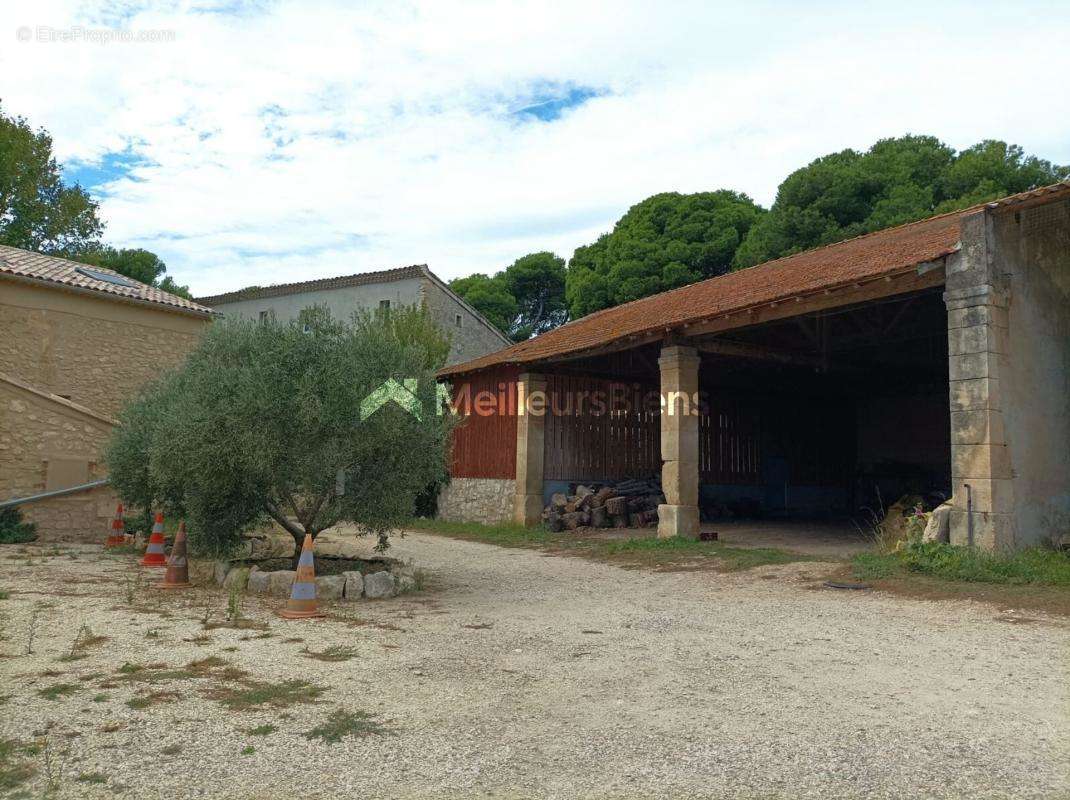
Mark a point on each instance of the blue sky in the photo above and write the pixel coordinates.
(261, 142)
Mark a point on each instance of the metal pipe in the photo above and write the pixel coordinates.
(33, 498)
(969, 514)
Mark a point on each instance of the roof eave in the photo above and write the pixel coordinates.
(101, 295)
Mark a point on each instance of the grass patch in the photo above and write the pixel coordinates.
(262, 730)
(101, 698)
(92, 777)
(57, 690)
(604, 544)
(257, 694)
(1033, 566)
(336, 652)
(4, 594)
(1029, 579)
(248, 750)
(346, 723)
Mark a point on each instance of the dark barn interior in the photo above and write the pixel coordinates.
(821, 415)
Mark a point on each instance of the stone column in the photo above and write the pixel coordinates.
(978, 370)
(678, 516)
(530, 430)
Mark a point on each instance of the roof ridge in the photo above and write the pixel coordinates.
(254, 290)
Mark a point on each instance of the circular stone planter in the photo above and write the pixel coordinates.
(337, 579)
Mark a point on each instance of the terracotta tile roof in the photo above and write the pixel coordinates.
(26, 264)
(278, 290)
(875, 255)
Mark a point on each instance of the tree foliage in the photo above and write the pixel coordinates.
(263, 419)
(666, 241)
(37, 211)
(896, 181)
(523, 300)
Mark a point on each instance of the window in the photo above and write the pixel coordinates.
(384, 305)
(266, 316)
(457, 320)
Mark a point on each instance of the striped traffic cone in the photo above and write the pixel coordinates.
(116, 538)
(177, 575)
(154, 555)
(302, 603)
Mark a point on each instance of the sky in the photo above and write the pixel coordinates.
(257, 142)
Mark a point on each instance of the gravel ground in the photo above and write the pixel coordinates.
(516, 674)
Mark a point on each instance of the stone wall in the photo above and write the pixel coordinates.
(96, 352)
(39, 432)
(473, 337)
(1008, 300)
(487, 500)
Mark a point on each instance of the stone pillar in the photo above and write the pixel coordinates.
(530, 430)
(678, 516)
(978, 370)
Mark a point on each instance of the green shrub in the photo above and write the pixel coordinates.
(13, 530)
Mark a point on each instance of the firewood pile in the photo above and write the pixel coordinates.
(632, 503)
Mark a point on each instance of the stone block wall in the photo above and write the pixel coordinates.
(96, 352)
(36, 428)
(487, 500)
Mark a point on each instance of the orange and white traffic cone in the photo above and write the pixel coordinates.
(302, 603)
(154, 555)
(116, 538)
(177, 575)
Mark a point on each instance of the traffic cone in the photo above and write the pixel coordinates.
(154, 555)
(117, 537)
(302, 603)
(177, 575)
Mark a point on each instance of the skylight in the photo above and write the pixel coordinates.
(107, 277)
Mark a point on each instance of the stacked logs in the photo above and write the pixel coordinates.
(628, 504)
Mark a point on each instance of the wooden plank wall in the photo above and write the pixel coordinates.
(730, 442)
(484, 445)
(586, 441)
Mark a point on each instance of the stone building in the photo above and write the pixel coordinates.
(471, 335)
(931, 357)
(76, 342)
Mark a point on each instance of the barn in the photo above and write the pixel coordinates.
(933, 357)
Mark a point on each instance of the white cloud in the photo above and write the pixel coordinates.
(292, 140)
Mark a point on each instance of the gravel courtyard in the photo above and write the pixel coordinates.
(520, 675)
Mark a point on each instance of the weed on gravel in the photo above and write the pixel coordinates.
(336, 652)
(257, 694)
(346, 723)
(58, 690)
(262, 730)
(92, 777)
(14, 771)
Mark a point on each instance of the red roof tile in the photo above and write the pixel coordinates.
(875, 255)
(50, 269)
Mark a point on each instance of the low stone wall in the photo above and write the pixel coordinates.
(487, 500)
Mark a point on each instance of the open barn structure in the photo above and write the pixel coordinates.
(932, 358)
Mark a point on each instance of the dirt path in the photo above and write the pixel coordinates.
(522, 675)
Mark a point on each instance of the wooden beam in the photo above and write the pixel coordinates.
(904, 283)
(757, 352)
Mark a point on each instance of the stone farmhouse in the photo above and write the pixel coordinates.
(471, 335)
(76, 342)
(933, 356)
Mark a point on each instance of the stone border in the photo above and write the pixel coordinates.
(350, 586)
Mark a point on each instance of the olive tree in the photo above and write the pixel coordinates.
(310, 424)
